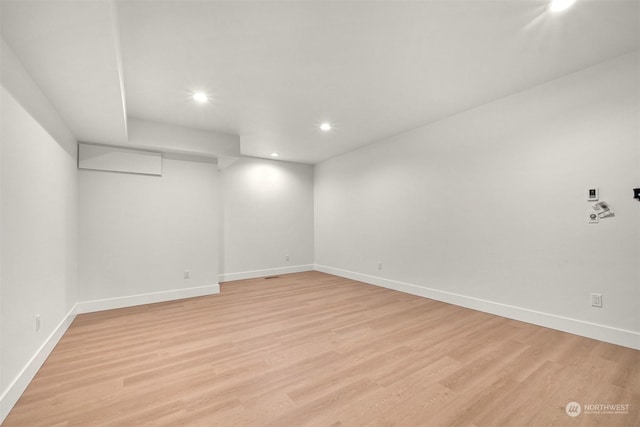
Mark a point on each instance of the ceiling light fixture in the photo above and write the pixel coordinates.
(325, 127)
(274, 154)
(560, 5)
(200, 97)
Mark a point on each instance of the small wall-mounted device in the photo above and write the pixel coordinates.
(592, 195)
(636, 194)
(602, 209)
(599, 211)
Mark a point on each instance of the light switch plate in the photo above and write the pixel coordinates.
(596, 300)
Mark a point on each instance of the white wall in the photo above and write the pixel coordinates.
(488, 208)
(267, 213)
(16, 79)
(111, 159)
(38, 228)
(149, 135)
(3, 387)
(139, 233)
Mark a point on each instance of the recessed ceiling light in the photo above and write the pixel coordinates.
(274, 154)
(200, 97)
(325, 127)
(560, 5)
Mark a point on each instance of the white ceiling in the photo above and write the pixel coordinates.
(68, 48)
(276, 70)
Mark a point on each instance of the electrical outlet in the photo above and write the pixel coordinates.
(596, 300)
(379, 265)
(187, 274)
(37, 322)
(286, 257)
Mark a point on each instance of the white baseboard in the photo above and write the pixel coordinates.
(141, 299)
(596, 331)
(227, 277)
(11, 395)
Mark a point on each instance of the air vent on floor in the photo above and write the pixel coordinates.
(271, 277)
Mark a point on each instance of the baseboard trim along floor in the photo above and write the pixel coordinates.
(150, 298)
(321, 348)
(599, 332)
(11, 395)
(266, 272)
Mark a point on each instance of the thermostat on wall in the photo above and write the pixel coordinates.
(592, 195)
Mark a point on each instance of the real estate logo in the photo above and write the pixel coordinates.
(573, 409)
(606, 408)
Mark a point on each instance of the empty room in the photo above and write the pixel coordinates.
(320, 213)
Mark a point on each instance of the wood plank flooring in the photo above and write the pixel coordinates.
(315, 349)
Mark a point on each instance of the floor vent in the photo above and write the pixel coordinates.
(271, 277)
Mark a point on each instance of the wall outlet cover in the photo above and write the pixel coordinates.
(596, 300)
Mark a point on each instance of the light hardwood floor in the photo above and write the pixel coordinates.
(315, 349)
